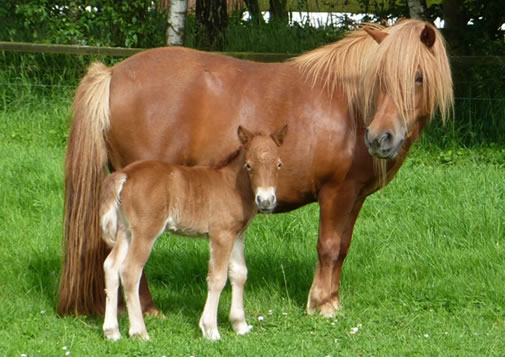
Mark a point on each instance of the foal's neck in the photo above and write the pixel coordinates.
(235, 174)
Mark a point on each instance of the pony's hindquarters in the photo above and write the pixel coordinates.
(82, 285)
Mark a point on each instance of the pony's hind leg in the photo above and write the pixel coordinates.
(111, 269)
(237, 271)
(220, 250)
(130, 273)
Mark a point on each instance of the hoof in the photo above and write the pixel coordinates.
(242, 328)
(112, 334)
(143, 336)
(154, 312)
(210, 333)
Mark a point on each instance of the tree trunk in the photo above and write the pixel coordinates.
(278, 11)
(176, 19)
(211, 21)
(254, 11)
(455, 26)
(416, 9)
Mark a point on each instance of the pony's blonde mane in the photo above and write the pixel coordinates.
(340, 65)
(360, 67)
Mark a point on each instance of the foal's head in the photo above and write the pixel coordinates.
(262, 162)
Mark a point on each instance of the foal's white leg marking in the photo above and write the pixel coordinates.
(111, 269)
(237, 272)
(218, 265)
(131, 271)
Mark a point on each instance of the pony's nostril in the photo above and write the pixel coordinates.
(387, 137)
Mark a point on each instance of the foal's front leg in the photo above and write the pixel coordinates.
(220, 249)
(237, 271)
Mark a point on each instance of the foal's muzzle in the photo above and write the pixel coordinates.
(266, 199)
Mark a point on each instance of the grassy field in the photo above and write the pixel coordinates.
(425, 274)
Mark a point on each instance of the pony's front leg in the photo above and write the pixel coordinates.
(111, 270)
(237, 272)
(339, 210)
(220, 249)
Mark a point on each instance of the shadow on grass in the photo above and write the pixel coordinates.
(178, 279)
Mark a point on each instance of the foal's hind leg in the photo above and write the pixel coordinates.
(111, 270)
(237, 271)
(140, 248)
(220, 250)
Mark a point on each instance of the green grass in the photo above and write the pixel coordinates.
(425, 273)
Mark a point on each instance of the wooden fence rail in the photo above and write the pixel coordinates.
(260, 57)
(121, 51)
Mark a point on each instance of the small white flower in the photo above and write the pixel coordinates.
(354, 330)
(260, 318)
(426, 335)
(332, 324)
(64, 348)
(285, 314)
(42, 311)
(336, 340)
(67, 353)
(24, 355)
(270, 312)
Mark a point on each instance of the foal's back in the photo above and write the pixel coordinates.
(190, 201)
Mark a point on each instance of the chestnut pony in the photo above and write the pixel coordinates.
(353, 109)
(142, 200)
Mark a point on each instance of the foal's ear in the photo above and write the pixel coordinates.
(244, 135)
(377, 35)
(428, 36)
(279, 135)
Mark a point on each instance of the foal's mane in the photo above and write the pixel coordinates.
(228, 160)
(359, 67)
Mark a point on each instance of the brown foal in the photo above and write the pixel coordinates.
(144, 199)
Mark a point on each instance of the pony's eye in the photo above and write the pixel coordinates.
(248, 166)
(279, 165)
(419, 78)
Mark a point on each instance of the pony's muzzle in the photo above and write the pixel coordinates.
(266, 199)
(384, 145)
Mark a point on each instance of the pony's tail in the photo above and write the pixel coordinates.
(109, 206)
(82, 279)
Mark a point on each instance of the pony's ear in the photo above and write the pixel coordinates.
(377, 35)
(244, 135)
(279, 135)
(428, 36)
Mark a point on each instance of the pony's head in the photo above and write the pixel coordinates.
(407, 78)
(263, 162)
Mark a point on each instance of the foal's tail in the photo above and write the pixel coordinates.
(109, 205)
(82, 279)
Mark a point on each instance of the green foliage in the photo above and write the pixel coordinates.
(134, 23)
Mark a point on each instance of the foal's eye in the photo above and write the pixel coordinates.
(248, 166)
(419, 78)
(279, 165)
